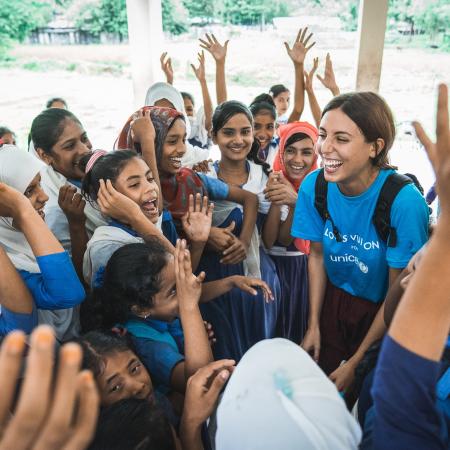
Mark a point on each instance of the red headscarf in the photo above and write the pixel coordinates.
(285, 132)
(175, 189)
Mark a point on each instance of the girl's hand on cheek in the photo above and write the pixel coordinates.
(142, 127)
(189, 286)
(116, 205)
(13, 203)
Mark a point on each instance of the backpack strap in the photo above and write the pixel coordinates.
(382, 214)
(320, 202)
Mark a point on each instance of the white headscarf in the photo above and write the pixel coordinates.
(17, 169)
(278, 398)
(159, 91)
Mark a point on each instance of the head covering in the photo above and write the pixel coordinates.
(17, 169)
(278, 398)
(285, 132)
(159, 91)
(176, 189)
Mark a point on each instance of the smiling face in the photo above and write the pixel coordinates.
(38, 198)
(298, 158)
(124, 376)
(188, 106)
(71, 146)
(137, 183)
(235, 138)
(282, 102)
(264, 126)
(173, 149)
(346, 154)
(164, 302)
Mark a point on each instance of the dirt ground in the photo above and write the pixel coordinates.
(102, 98)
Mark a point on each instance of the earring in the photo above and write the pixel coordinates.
(146, 316)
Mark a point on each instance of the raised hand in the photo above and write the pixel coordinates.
(213, 46)
(197, 221)
(439, 152)
(328, 79)
(116, 205)
(200, 72)
(13, 202)
(309, 76)
(299, 50)
(61, 418)
(250, 285)
(202, 391)
(142, 127)
(166, 67)
(72, 204)
(189, 286)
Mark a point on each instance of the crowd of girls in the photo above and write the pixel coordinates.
(189, 301)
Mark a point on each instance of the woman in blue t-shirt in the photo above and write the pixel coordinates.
(350, 266)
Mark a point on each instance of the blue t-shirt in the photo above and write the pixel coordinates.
(360, 263)
(161, 352)
(217, 189)
(57, 286)
(405, 414)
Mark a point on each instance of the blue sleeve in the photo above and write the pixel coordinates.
(307, 223)
(410, 218)
(404, 395)
(159, 358)
(217, 189)
(57, 285)
(168, 228)
(10, 321)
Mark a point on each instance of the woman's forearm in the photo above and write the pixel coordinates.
(317, 279)
(271, 226)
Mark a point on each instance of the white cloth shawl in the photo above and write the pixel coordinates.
(159, 91)
(103, 236)
(279, 398)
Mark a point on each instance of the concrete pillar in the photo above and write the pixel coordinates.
(371, 31)
(146, 41)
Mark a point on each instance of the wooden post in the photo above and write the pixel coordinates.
(371, 31)
(146, 41)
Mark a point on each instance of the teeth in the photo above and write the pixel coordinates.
(297, 167)
(333, 162)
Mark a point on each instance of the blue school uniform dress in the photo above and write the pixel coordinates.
(292, 270)
(268, 154)
(10, 321)
(239, 319)
(357, 267)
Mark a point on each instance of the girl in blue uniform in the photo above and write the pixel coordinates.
(44, 266)
(239, 321)
(350, 266)
(293, 161)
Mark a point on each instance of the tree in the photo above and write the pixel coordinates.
(19, 17)
(201, 8)
(174, 16)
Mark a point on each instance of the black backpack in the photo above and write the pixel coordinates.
(382, 214)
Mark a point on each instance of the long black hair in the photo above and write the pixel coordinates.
(223, 113)
(48, 127)
(107, 167)
(132, 277)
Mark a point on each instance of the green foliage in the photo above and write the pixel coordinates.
(202, 8)
(19, 17)
(250, 12)
(104, 16)
(174, 16)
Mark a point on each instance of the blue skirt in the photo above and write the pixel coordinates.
(293, 317)
(239, 320)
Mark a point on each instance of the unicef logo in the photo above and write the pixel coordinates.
(362, 267)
